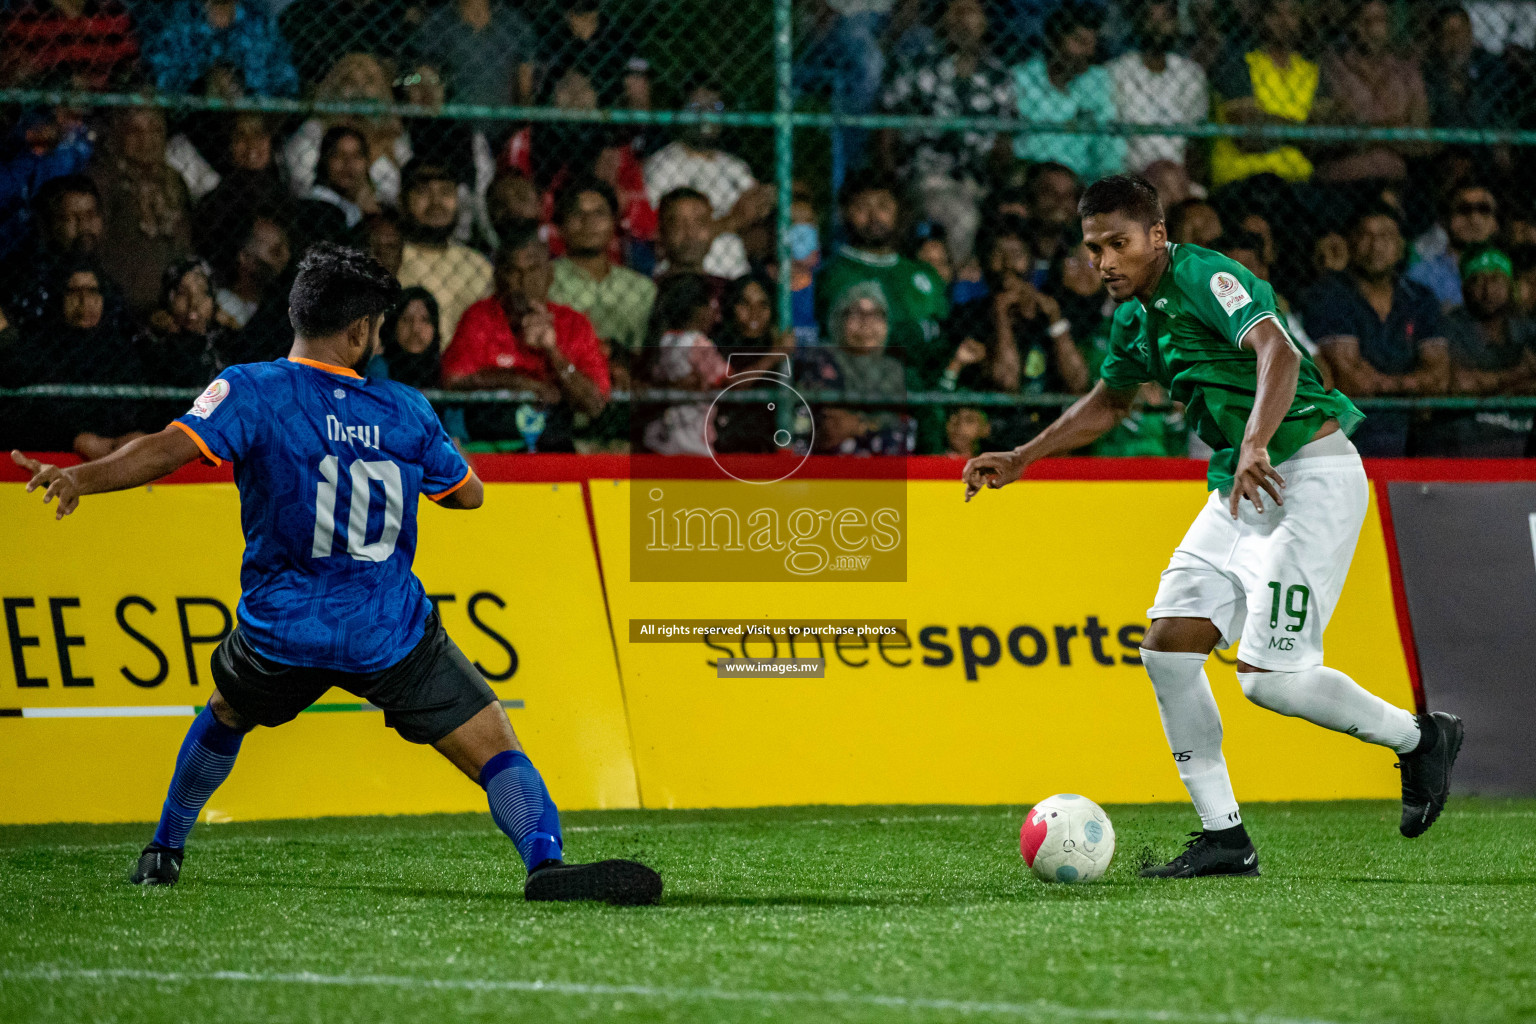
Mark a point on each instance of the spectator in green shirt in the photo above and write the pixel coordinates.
(913, 291)
(617, 300)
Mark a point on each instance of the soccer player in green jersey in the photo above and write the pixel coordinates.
(1266, 558)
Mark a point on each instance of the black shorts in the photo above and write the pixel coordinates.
(425, 695)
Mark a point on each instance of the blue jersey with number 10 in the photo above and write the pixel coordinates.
(328, 465)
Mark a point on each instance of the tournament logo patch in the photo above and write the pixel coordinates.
(210, 398)
(1229, 292)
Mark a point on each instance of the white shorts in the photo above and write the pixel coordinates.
(1272, 579)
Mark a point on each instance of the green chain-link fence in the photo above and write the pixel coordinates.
(681, 170)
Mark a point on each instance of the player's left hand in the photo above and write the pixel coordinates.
(60, 483)
(1255, 477)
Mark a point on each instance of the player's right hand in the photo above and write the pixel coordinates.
(60, 483)
(991, 469)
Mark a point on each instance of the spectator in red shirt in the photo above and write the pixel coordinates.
(553, 352)
(93, 39)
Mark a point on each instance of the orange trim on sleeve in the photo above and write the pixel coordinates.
(207, 454)
(327, 367)
(440, 495)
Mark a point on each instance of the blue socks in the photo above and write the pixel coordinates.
(206, 757)
(521, 807)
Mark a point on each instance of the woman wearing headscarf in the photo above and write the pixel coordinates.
(858, 363)
(410, 351)
(81, 339)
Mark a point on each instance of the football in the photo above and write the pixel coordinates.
(1067, 838)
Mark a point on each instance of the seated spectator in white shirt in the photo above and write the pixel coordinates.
(735, 196)
(1154, 85)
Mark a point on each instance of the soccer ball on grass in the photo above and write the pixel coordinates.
(1067, 838)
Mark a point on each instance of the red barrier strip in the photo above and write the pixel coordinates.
(1400, 596)
(576, 468)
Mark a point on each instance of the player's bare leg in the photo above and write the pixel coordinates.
(1428, 744)
(1174, 653)
(486, 749)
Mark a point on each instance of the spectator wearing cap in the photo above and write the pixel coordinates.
(1066, 85)
(617, 300)
(518, 339)
(195, 35)
(1469, 218)
(1493, 352)
(696, 161)
(1378, 332)
(455, 274)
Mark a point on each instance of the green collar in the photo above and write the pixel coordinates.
(870, 259)
(1166, 291)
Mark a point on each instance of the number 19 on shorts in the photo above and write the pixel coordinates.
(362, 475)
(1297, 596)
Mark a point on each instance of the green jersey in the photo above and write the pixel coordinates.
(916, 296)
(1190, 341)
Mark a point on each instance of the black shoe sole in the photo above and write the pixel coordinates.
(622, 883)
(1453, 735)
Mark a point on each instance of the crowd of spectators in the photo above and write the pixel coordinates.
(570, 258)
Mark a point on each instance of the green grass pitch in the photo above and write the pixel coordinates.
(908, 914)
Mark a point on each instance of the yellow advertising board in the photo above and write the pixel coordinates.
(1016, 678)
(113, 613)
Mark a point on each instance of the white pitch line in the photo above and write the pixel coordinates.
(138, 711)
(1038, 1010)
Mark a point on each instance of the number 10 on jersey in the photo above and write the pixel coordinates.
(362, 474)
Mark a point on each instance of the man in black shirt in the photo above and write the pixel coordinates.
(1378, 332)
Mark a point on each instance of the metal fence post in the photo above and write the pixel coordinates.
(783, 145)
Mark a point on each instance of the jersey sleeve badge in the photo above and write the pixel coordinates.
(1229, 291)
(209, 400)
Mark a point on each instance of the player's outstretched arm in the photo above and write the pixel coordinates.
(136, 463)
(1087, 420)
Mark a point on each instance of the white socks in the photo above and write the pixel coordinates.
(1327, 697)
(1193, 727)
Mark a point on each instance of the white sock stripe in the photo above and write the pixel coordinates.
(1037, 1010)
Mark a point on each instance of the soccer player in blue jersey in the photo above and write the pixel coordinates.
(328, 465)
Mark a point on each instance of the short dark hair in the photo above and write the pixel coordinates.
(421, 169)
(1444, 13)
(1236, 239)
(1130, 194)
(679, 297)
(1008, 225)
(1374, 209)
(1068, 18)
(521, 236)
(50, 194)
(868, 180)
(336, 286)
(566, 204)
(681, 194)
